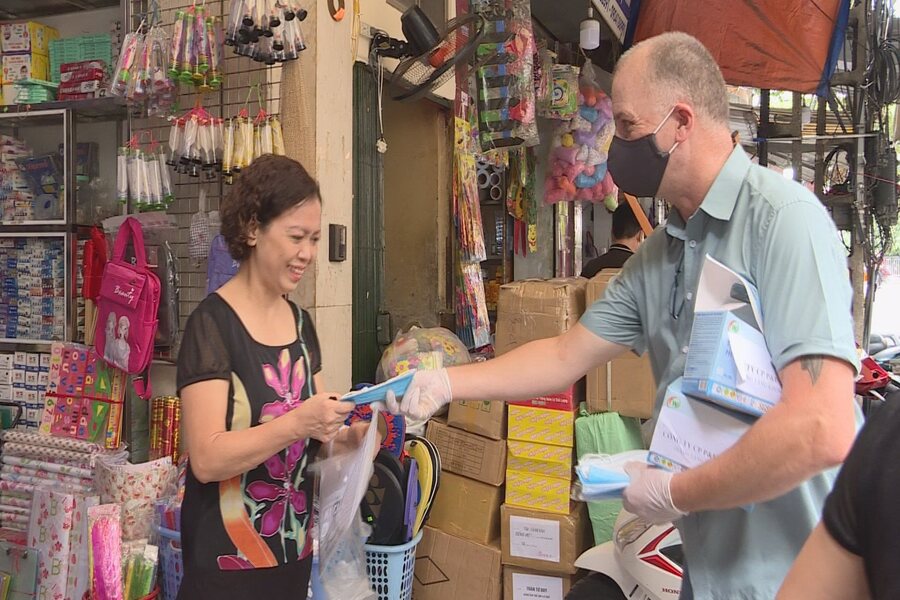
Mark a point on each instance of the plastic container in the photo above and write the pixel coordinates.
(390, 569)
(170, 564)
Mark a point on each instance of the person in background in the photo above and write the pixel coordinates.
(254, 412)
(745, 514)
(853, 551)
(627, 236)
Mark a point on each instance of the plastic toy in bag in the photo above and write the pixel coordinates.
(577, 165)
(505, 82)
(265, 31)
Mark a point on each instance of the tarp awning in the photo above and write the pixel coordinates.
(770, 44)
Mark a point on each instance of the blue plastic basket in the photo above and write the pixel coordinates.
(170, 562)
(390, 569)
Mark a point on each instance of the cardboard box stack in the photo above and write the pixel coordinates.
(543, 532)
(626, 384)
(23, 380)
(25, 55)
(459, 555)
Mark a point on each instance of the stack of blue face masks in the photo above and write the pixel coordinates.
(602, 476)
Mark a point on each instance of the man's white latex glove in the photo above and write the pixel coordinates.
(427, 393)
(649, 495)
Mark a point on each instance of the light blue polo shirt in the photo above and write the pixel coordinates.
(777, 235)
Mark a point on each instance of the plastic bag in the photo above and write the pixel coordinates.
(343, 481)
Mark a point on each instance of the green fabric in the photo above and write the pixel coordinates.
(605, 433)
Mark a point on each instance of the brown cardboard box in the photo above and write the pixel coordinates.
(450, 568)
(543, 541)
(625, 385)
(522, 584)
(534, 309)
(468, 454)
(481, 417)
(467, 508)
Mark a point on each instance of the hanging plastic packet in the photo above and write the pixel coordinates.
(143, 182)
(126, 60)
(277, 137)
(228, 150)
(154, 180)
(133, 181)
(233, 27)
(201, 64)
(188, 56)
(257, 141)
(207, 149)
(247, 131)
(178, 32)
(265, 137)
(165, 181)
(218, 141)
(238, 152)
(187, 163)
(122, 175)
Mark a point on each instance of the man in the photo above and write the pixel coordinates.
(627, 235)
(853, 552)
(744, 515)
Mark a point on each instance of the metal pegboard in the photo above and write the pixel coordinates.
(241, 75)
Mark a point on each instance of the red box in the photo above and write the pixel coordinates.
(568, 399)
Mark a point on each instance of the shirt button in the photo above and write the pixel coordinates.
(684, 349)
(689, 295)
(692, 243)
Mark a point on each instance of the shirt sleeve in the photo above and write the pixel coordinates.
(203, 354)
(851, 500)
(616, 316)
(804, 286)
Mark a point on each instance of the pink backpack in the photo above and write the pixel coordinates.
(127, 309)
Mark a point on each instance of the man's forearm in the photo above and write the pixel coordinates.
(538, 368)
(810, 430)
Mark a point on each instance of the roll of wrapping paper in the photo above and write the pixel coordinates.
(164, 427)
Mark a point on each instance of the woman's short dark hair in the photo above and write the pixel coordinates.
(270, 186)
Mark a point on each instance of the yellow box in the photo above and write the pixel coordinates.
(540, 459)
(24, 66)
(538, 492)
(8, 94)
(27, 36)
(541, 425)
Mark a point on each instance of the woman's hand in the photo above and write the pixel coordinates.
(349, 438)
(321, 416)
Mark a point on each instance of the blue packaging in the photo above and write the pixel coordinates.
(729, 363)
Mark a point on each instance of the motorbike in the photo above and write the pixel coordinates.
(642, 562)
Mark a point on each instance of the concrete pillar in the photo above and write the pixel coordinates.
(316, 108)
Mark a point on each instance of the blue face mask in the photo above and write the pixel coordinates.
(637, 166)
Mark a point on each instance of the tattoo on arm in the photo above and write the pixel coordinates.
(813, 366)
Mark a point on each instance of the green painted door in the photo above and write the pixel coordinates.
(368, 227)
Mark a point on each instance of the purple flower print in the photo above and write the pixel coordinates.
(281, 494)
(286, 382)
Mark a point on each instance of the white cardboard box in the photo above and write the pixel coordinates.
(690, 431)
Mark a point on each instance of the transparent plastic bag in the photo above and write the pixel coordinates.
(343, 481)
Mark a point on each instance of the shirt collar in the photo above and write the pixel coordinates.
(621, 247)
(722, 196)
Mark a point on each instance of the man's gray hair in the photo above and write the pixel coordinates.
(680, 69)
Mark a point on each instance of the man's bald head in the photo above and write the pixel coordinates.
(676, 67)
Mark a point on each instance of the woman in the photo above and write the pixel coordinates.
(248, 376)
